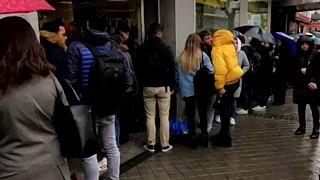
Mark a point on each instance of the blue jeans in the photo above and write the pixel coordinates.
(107, 134)
(233, 108)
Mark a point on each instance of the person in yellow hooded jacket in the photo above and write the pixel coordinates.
(227, 75)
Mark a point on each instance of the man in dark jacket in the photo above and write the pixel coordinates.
(156, 72)
(127, 115)
(302, 94)
(80, 62)
(53, 39)
(206, 44)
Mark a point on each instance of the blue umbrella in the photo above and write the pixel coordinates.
(288, 40)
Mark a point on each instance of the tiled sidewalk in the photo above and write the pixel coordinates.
(264, 147)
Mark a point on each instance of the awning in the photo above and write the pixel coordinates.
(214, 3)
(23, 6)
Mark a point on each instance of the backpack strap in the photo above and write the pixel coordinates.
(95, 52)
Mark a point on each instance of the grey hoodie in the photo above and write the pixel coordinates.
(244, 64)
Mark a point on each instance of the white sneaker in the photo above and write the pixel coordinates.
(242, 111)
(167, 148)
(232, 121)
(218, 119)
(259, 108)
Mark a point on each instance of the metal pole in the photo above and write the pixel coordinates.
(143, 31)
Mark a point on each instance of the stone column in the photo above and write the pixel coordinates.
(269, 15)
(244, 12)
(179, 20)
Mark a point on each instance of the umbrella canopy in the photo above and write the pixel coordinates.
(288, 40)
(256, 32)
(23, 6)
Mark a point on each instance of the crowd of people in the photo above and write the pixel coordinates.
(219, 76)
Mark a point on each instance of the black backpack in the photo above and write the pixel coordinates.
(107, 81)
(203, 82)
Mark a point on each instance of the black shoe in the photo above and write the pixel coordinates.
(204, 140)
(314, 134)
(221, 140)
(300, 131)
(192, 142)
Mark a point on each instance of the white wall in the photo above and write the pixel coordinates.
(185, 22)
(179, 20)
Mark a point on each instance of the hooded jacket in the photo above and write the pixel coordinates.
(225, 61)
(301, 92)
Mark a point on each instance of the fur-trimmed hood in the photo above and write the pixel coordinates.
(51, 37)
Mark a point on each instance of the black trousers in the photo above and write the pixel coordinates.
(127, 118)
(192, 104)
(223, 107)
(302, 115)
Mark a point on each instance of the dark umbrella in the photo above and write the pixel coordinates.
(23, 6)
(256, 32)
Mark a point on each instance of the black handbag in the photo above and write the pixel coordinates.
(203, 82)
(73, 123)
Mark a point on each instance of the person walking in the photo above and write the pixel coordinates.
(302, 94)
(191, 60)
(227, 75)
(29, 146)
(156, 71)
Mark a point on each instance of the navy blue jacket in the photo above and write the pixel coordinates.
(81, 60)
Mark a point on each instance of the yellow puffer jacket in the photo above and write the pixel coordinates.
(225, 61)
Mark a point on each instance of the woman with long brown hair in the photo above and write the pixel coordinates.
(29, 147)
(191, 60)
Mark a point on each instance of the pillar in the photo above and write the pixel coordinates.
(244, 9)
(269, 15)
(179, 20)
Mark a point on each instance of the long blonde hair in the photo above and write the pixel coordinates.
(190, 57)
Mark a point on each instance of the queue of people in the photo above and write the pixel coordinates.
(217, 75)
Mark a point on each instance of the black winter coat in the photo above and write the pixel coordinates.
(301, 92)
(155, 64)
(56, 56)
(313, 73)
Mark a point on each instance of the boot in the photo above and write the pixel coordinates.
(192, 142)
(301, 130)
(221, 140)
(315, 133)
(204, 140)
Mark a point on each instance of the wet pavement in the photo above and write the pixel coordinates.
(264, 147)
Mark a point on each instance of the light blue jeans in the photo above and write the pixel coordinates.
(211, 111)
(107, 135)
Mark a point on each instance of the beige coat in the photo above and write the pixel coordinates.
(29, 148)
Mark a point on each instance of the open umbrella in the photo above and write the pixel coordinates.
(23, 6)
(256, 32)
(288, 40)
